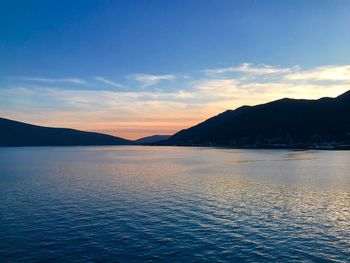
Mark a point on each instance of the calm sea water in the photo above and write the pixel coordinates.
(168, 204)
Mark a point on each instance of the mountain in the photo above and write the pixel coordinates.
(14, 133)
(152, 139)
(281, 123)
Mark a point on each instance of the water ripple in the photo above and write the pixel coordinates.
(156, 204)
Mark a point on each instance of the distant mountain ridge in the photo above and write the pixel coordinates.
(14, 133)
(152, 139)
(282, 123)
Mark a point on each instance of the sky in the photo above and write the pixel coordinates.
(135, 68)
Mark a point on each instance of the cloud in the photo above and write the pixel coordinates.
(109, 82)
(139, 112)
(217, 88)
(327, 73)
(248, 68)
(54, 80)
(149, 80)
(126, 114)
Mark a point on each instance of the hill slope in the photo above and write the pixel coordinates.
(282, 122)
(14, 133)
(152, 139)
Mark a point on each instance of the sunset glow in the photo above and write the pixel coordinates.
(106, 78)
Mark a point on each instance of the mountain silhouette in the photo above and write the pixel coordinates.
(14, 133)
(152, 139)
(282, 123)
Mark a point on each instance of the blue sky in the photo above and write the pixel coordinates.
(83, 64)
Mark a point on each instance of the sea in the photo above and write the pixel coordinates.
(173, 204)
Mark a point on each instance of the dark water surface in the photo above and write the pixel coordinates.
(168, 204)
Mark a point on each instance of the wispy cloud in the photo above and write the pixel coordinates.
(328, 73)
(216, 89)
(54, 80)
(109, 82)
(127, 114)
(150, 80)
(138, 112)
(249, 68)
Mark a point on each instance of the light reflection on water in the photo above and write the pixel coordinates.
(130, 204)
